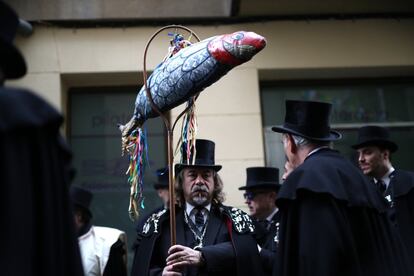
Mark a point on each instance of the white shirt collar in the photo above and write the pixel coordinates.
(189, 208)
(269, 218)
(316, 150)
(386, 178)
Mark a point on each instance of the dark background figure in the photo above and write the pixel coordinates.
(37, 234)
(161, 186)
(212, 239)
(262, 186)
(103, 249)
(375, 148)
(332, 220)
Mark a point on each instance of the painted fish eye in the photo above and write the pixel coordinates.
(237, 36)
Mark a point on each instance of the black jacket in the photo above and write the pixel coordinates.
(401, 190)
(229, 248)
(334, 222)
(266, 239)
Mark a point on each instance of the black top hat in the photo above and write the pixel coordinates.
(81, 197)
(163, 179)
(204, 156)
(262, 178)
(375, 135)
(11, 61)
(309, 120)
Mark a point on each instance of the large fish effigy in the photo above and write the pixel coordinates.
(190, 70)
(184, 73)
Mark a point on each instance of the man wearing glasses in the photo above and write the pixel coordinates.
(260, 194)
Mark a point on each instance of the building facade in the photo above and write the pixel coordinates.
(363, 66)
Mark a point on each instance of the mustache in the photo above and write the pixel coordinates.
(199, 188)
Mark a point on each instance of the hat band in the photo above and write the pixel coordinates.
(200, 162)
(373, 138)
(260, 182)
(315, 131)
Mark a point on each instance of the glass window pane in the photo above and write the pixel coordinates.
(364, 103)
(354, 105)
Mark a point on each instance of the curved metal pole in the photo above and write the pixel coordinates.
(169, 130)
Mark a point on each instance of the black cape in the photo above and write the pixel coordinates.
(334, 222)
(142, 220)
(226, 252)
(37, 232)
(401, 190)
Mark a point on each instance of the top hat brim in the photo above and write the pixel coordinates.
(12, 61)
(377, 142)
(179, 167)
(333, 135)
(268, 186)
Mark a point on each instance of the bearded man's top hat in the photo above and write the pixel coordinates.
(204, 156)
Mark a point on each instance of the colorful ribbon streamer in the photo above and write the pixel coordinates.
(138, 159)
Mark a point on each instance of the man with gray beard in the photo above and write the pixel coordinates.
(212, 239)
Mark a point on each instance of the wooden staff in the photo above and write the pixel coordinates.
(170, 130)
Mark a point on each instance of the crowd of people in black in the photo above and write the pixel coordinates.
(329, 217)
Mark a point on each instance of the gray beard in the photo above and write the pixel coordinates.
(200, 201)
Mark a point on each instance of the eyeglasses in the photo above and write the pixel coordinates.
(250, 195)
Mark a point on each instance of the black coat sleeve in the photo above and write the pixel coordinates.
(219, 257)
